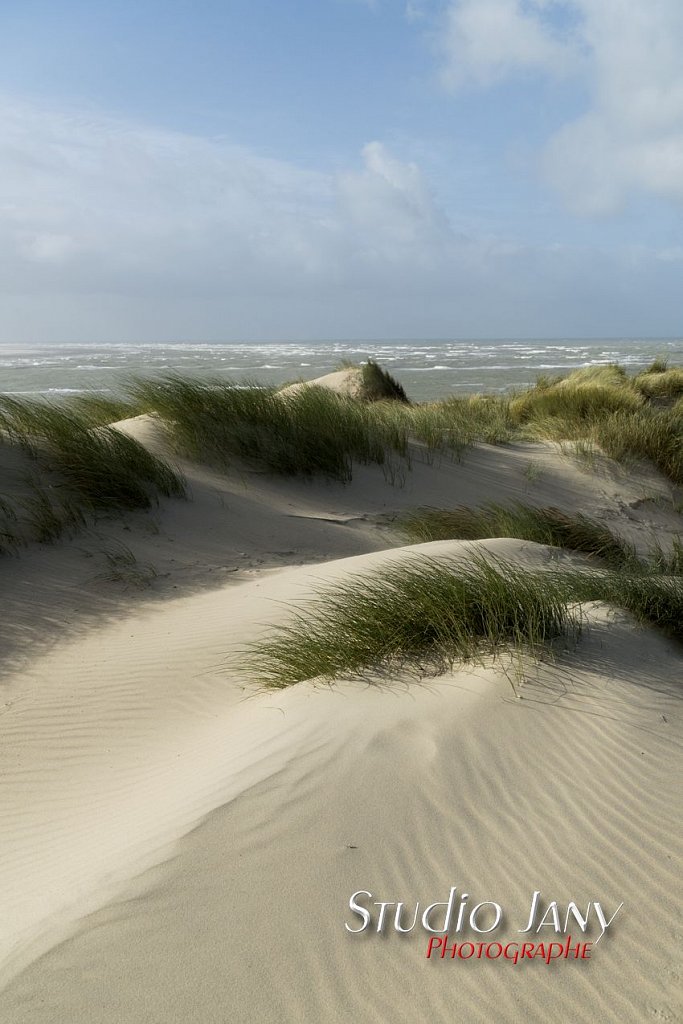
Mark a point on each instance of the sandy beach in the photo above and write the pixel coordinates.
(181, 844)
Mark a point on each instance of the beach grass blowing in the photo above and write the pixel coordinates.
(100, 410)
(378, 385)
(548, 525)
(423, 616)
(452, 426)
(654, 598)
(96, 468)
(653, 435)
(312, 431)
(565, 409)
(10, 537)
(626, 418)
(668, 563)
(659, 380)
(315, 431)
(660, 364)
(420, 616)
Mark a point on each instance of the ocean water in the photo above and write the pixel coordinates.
(427, 369)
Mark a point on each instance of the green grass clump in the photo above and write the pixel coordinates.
(653, 598)
(575, 532)
(607, 375)
(421, 615)
(603, 406)
(99, 410)
(660, 364)
(313, 431)
(50, 515)
(457, 423)
(663, 384)
(378, 385)
(99, 467)
(668, 563)
(564, 410)
(656, 435)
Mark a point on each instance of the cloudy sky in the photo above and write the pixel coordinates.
(300, 169)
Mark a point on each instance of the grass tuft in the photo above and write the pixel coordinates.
(378, 385)
(100, 468)
(575, 532)
(100, 410)
(123, 567)
(653, 598)
(662, 384)
(313, 431)
(420, 616)
(668, 563)
(658, 365)
(10, 537)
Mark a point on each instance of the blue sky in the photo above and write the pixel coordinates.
(340, 169)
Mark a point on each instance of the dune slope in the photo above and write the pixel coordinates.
(179, 847)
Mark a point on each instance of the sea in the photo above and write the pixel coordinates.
(428, 369)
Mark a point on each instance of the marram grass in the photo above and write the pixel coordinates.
(87, 468)
(312, 431)
(101, 467)
(318, 432)
(662, 383)
(573, 531)
(378, 385)
(420, 615)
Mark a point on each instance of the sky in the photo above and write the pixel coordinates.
(345, 169)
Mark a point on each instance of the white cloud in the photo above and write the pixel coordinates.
(486, 40)
(628, 55)
(92, 202)
(112, 230)
(95, 201)
(392, 210)
(632, 137)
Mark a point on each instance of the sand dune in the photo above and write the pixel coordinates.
(177, 846)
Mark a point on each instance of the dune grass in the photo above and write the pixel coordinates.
(669, 563)
(652, 435)
(421, 616)
(100, 410)
(86, 468)
(315, 431)
(660, 364)
(100, 466)
(654, 598)
(571, 406)
(378, 385)
(49, 515)
(312, 431)
(455, 424)
(665, 383)
(575, 532)
(625, 417)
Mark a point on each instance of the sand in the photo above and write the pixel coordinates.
(179, 846)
